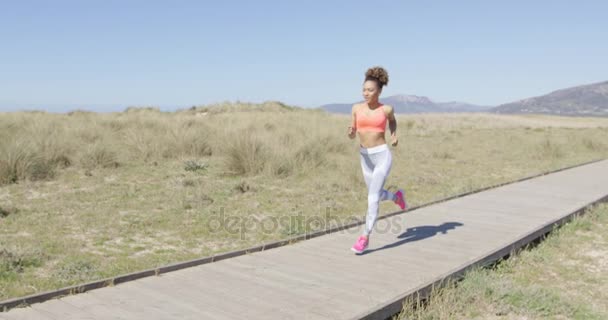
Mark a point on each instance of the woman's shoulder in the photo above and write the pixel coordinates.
(387, 108)
(356, 107)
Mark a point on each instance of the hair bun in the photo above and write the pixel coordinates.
(377, 73)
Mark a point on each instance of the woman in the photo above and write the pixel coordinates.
(369, 120)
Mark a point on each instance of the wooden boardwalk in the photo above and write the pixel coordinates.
(321, 278)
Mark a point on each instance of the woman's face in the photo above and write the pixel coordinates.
(371, 91)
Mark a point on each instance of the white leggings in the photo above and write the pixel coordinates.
(376, 163)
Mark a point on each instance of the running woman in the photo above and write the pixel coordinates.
(369, 120)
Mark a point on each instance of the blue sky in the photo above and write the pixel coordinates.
(105, 55)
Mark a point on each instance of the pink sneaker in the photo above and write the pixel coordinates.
(400, 199)
(360, 245)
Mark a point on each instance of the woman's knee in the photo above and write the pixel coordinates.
(373, 198)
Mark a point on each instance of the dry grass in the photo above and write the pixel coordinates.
(106, 194)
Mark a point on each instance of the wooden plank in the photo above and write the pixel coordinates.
(26, 313)
(139, 300)
(292, 296)
(189, 293)
(61, 310)
(96, 308)
(226, 295)
(358, 282)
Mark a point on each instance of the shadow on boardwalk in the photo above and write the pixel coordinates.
(419, 233)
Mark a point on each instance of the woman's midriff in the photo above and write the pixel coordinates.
(371, 139)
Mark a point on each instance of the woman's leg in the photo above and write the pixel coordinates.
(367, 166)
(382, 165)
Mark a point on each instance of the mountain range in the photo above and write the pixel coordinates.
(412, 104)
(585, 100)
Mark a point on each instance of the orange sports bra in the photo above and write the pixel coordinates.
(375, 122)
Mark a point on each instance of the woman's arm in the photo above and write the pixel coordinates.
(392, 125)
(352, 129)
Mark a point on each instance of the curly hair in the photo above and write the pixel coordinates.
(377, 74)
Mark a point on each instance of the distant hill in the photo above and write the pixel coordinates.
(586, 100)
(412, 104)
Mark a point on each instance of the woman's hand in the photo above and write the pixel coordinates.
(394, 140)
(392, 125)
(352, 132)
